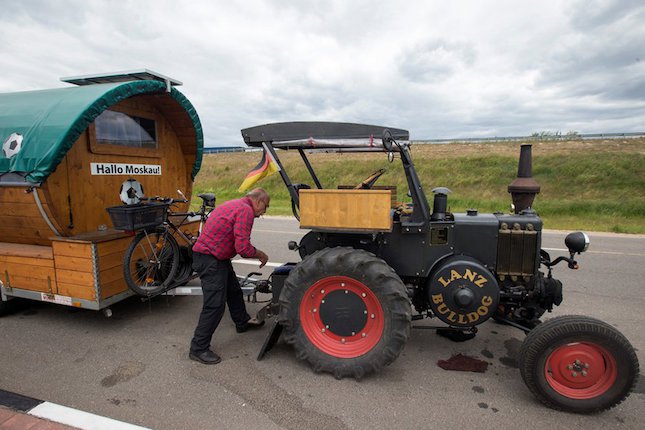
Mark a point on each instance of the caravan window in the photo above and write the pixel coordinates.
(117, 128)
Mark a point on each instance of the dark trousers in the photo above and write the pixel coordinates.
(220, 287)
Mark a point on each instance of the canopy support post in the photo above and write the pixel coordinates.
(311, 170)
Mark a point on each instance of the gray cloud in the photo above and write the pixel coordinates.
(439, 69)
(601, 56)
(435, 61)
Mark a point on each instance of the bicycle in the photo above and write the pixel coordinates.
(154, 261)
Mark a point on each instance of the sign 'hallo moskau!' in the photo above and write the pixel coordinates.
(125, 169)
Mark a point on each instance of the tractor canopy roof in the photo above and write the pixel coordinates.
(320, 135)
(48, 122)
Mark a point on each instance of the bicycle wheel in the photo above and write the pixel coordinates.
(151, 262)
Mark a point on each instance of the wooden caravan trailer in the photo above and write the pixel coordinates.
(65, 154)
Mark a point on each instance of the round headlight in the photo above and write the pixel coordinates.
(577, 242)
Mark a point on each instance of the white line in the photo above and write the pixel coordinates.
(599, 252)
(257, 263)
(279, 231)
(79, 419)
(270, 264)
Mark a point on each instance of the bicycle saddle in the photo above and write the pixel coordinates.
(208, 198)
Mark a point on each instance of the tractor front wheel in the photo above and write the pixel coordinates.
(578, 364)
(345, 311)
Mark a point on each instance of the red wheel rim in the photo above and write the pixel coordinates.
(351, 346)
(581, 370)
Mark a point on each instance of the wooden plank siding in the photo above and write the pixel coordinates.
(29, 267)
(34, 282)
(79, 274)
(110, 259)
(20, 235)
(20, 218)
(67, 267)
(72, 266)
(74, 269)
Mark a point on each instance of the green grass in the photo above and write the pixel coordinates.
(590, 185)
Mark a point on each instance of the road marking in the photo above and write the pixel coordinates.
(79, 419)
(271, 264)
(19, 404)
(633, 254)
(279, 231)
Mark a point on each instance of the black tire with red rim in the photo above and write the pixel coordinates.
(578, 364)
(345, 311)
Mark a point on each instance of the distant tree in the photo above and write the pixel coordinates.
(554, 135)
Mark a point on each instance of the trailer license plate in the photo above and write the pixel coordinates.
(55, 298)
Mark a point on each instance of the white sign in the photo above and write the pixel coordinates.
(125, 169)
(55, 298)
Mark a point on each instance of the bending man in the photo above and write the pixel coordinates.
(227, 232)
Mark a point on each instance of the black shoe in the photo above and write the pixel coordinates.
(206, 357)
(251, 324)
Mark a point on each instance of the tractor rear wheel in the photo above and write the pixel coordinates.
(578, 364)
(345, 311)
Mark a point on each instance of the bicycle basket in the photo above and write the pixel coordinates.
(138, 217)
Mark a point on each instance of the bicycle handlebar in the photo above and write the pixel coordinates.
(168, 200)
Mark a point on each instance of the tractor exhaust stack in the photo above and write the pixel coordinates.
(524, 188)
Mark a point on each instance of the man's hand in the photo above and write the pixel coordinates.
(260, 255)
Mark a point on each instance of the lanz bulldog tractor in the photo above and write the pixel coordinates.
(367, 262)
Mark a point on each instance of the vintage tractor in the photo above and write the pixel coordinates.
(367, 262)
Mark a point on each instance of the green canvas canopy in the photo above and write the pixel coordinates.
(48, 122)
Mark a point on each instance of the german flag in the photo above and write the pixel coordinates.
(267, 166)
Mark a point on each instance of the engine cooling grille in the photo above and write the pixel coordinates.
(517, 250)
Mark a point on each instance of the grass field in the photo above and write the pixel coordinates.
(596, 185)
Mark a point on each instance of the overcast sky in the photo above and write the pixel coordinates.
(440, 69)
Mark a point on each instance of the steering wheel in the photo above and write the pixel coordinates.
(367, 183)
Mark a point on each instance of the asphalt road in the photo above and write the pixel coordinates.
(134, 366)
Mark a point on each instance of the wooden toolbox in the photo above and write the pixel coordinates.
(348, 210)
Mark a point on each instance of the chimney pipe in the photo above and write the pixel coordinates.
(440, 205)
(524, 188)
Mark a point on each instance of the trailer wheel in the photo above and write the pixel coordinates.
(345, 311)
(578, 364)
(151, 261)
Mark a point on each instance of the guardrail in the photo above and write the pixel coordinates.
(217, 149)
(540, 137)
